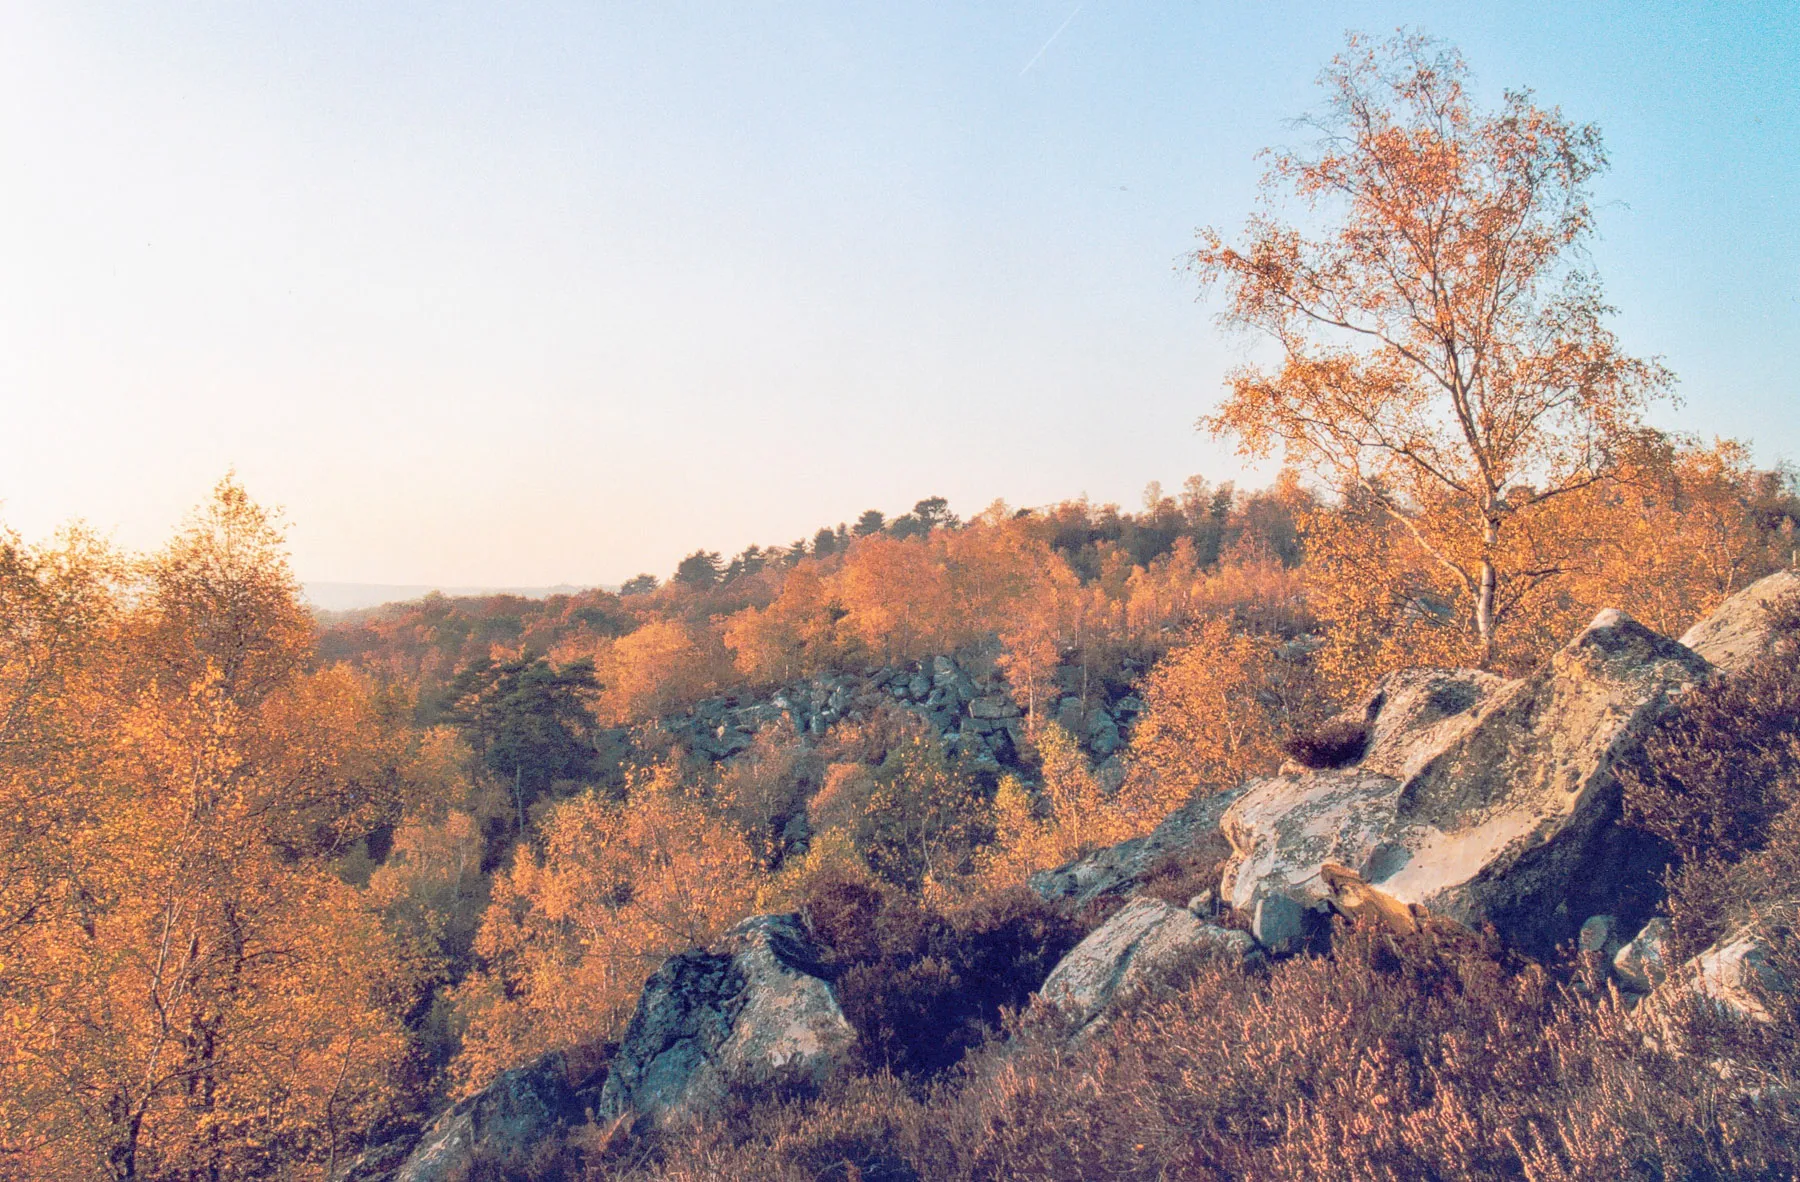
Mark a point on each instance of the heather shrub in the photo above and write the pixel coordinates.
(1186, 871)
(1719, 781)
(861, 1129)
(922, 987)
(1431, 1056)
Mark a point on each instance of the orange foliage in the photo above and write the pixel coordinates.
(1217, 711)
(662, 665)
(1441, 352)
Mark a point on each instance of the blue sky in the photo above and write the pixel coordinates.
(522, 294)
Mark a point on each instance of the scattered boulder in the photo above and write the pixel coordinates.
(1641, 965)
(1734, 973)
(500, 1124)
(1598, 937)
(1143, 939)
(1103, 733)
(1480, 800)
(1120, 869)
(1737, 632)
(993, 706)
(1281, 924)
(755, 1009)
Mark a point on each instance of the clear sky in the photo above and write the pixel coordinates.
(523, 294)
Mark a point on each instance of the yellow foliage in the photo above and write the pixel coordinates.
(791, 636)
(1071, 815)
(1666, 541)
(652, 670)
(1217, 710)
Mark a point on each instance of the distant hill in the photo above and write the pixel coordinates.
(348, 597)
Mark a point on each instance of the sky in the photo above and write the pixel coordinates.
(527, 294)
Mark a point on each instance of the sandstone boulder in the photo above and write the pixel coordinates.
(755, 1009)
(993, 707)
(1120, 869)
(1145, 938)
(501, 1124)
(1500, 811)
(1641, 965)
(1413, 714)
(1737, 632)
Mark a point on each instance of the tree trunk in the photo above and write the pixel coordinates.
(1484, 598)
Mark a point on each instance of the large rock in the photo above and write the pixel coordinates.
(1484, 801)
(1738, 631)
(1120, 869)
(1143, 939)
(753, 1010)
(501, 1124)
(993, 707)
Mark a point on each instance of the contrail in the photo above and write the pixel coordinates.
(1049, 43)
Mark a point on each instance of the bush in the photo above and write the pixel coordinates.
(1335, 744)
(1428, 1056)
(1719, 781)
(923, 987)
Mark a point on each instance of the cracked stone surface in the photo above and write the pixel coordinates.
(1142, 939)
(753, 1009)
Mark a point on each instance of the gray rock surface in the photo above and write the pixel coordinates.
(502, 1123)
(753, 1009)
(1119, 869)
(1413, 714)
(1641, 965)
(1495, 812)
(1281, 924)
(1143, 939)
(1737, 632)
(1598, 936)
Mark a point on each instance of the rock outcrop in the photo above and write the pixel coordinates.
(1642, 963)
(753, 1010)
(981, 720)
(1120, 869)
(1738, 631)
(499, 1125)
(1480, 800)
(1145, 938)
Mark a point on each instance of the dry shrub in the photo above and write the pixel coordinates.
(860, 1130)
(1335, 744)
(1188, 870)
(1422, 1057)
(1720, 782)
(922, 987)
(1430, 1056)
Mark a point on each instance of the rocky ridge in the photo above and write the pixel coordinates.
(972, 713)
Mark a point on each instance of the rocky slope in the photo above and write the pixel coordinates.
(971, 712)
(1464, 797)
